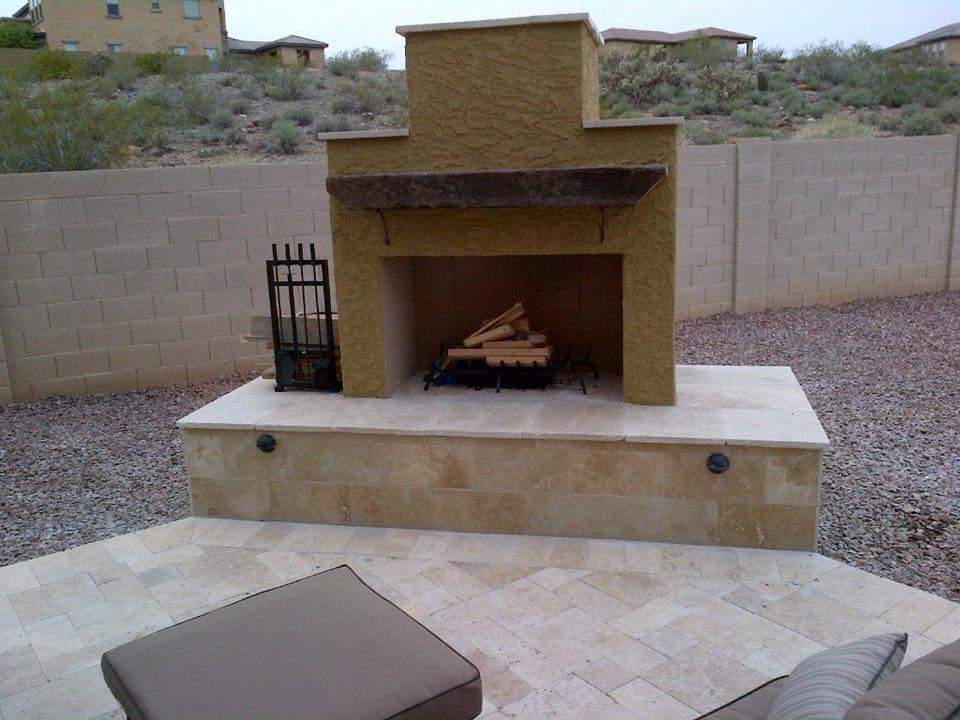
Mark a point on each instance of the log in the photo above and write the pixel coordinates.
(503, 318)
(520, 352)
(501, 332)
(467, 353)
(522, 326)
(507, 343)
(537, 338)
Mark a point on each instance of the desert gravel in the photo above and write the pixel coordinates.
(883, 375)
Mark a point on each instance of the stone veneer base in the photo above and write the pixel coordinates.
(552, 463)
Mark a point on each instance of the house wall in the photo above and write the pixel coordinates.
(626, 47)
(288, 56)
(140, 29)
(111, 280)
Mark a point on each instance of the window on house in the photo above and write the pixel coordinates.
(303, 56)
(191, 8)
(211, 53)
(155, 5)
(179, 49)
(113, 8)
(71, 45)
(114, 47)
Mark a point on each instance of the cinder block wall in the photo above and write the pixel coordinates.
(118, 279)
(763, 224)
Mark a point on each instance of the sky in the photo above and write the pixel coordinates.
(789, 25)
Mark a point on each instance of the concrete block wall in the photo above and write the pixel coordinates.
(117, 279)
(824, 221)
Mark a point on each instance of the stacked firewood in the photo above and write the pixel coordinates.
(505, 340)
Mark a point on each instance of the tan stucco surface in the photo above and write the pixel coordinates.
(138, 28)
(509, 97)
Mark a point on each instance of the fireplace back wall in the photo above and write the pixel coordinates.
(576, 299)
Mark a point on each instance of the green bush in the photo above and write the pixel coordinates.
(697, 134)
(924, 122)
(17, 34)
(199, 103)
(834, 127)
(283, 138)
(821, 108)
(336, 123)
(671, 109)
(950, 111)
(366, 95)
(888, 122)
(860, 97)
(63, 129)
(302, 116)
(240, 106)
(97, 65)
(288, 84)
(640, 77)
(54, 65)
(123, 76)
(164, 96)
(152, 63)
(725, 82)
(350, 62)
(755, 117)
(222, 119)
(794, 103)
(768, 55)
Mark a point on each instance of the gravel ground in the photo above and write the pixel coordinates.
(884, 376)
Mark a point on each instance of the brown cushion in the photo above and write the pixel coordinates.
(928, 689)
(324, 647)
(753, 706)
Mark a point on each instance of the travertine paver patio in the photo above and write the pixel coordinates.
(559, 627)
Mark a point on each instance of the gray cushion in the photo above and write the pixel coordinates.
(928, 689)
(753, 706)
(324, 647)
(826, 685)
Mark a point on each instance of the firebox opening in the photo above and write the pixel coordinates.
(434, 302)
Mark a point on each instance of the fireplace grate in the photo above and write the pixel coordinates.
(301, 317)
(478, 374)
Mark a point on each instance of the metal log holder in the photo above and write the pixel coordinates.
(304, 352)
(478, 375)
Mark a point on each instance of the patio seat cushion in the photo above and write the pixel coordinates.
(753, 706)
(327, 646)
(927, 689)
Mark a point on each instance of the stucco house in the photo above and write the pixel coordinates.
(942, 43)
(726, 42)
(187, 27)
(290, 50)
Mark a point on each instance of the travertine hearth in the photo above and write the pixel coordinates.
(550, 463)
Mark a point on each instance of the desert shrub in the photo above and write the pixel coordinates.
(164, 96)
(335, 123)
(794, 103)
(950, 111)
(366, 95)
(860, 97)
(923, 122)
(888, 122)
(614, 106)
(697, 134)
(222, 119)
(768, 55)
(701, 51)
(724, 82)
(152, 63)
(287, 84)
(123, 76)
(833, 127)
(250, 90)
(62, 129)
(283, 138)
(747, 131)
(54, 65)
(821, 108)
(302, 116)
(199, 103)
(240, 105)
(671, 109)
(97, 65)
(17, 34)
(233, 136)
(705, 103)
(754, 117)
(638, 76)
(350, 62)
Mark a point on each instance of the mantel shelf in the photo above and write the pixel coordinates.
(595, 186)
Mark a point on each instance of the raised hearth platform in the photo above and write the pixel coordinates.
(551, 463)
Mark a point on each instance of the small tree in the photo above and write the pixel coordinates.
(17, 34)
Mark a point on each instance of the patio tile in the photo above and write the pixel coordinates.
(75, 561)
(703, 679)
(604, 674)
(643, 558)
(53, 636)
(19, 670)
(178, 598)
(651, 702)
(552, 578)
(633, 589)
(138, 620)
(631, 654)
(780, 656)
(16, 578)
(592, 601)
(682, 560)
(861, 590)
(655, 614)
(8, 618)
(668, 642)
(498, 642)
(228, 533)
(227, 573)
(55, 598)
(124, 548)
(170, 556)
(80, 696)
(568, 694)
(918, 612)
(168, 536)
(430, 546)
(505, 688)
(945, 630)
(816, 616)
(495, 574)
(287, 565)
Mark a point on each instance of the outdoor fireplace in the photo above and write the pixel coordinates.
(507, 188)
(505, 177)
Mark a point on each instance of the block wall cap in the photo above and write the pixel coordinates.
(631, 122)
(405, 30)
(364, 134)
